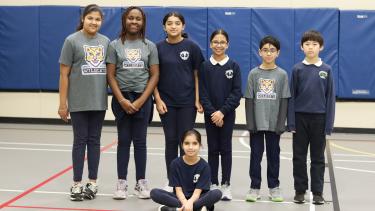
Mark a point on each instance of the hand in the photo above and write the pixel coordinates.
(161, 107)
(137, 104)
(128, 107)
(216, 117)
(188, 206)
(199, 107)
(63, 113)
(220, 123)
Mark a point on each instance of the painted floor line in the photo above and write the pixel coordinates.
(9, 202)
(358, 170)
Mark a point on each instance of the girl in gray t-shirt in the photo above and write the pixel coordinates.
(83, 95)
(133, 72)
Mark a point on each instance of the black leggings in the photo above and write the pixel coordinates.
(166, 198)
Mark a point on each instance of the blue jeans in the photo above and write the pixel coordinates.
(87, 129)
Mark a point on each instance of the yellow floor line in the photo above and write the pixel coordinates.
(352, 150)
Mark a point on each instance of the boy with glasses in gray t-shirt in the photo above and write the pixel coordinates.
(266, 99)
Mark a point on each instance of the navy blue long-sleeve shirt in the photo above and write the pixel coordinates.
(312, 91)
(219, 86)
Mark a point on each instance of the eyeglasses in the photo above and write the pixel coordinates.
(265, 50)
(222, 43)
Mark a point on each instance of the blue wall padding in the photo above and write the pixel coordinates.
(154, 25)
(56, 23)
(357, 55)
(326, 21)
(31, 38)
(19, 48)
(111, 26)
(237, 23)
(278, 23)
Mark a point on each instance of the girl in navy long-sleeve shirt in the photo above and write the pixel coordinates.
(220, 94)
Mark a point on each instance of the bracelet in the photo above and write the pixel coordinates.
(122, 100)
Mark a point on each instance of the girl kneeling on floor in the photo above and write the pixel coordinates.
(190, 179)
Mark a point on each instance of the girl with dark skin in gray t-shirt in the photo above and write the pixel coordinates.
(133, 72)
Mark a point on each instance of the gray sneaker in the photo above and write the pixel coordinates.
(252, 195)
(142, 190)
(121, 190)
(275, 195)
(90, 190)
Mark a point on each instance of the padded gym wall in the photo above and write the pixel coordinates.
(357, 44)
(278, 23)
(56, 23)
(237, 23)
(326, 21)
(19, 48)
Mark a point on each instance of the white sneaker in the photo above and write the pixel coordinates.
(227, 194)
(214, 187)
(168, 188)
(275, 195)
(204, 208)
(142, 190)
(252, 195)
(121, 190)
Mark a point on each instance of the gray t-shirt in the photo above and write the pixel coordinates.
(267, 87)
(87, 80)
(133, 59)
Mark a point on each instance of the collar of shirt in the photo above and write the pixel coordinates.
(318, 63)
(221, 63)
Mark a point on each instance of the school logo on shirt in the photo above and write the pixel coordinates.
(229, 74)
(266, 89)
(196, 178)
(133, 59)
(323, 74)
(94, 57)
(184, 55)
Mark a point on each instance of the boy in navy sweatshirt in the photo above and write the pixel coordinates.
(311, 112)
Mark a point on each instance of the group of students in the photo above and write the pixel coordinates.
(173, 73)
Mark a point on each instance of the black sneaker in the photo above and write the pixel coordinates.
(90, 191)
(318, 199)
(166, 208)
(76, 192)
(299, 198)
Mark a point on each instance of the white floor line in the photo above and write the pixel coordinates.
(130, 195)
(357, 170)
(356, 161)
(312, 206)
(34, 144)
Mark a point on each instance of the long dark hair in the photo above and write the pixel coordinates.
(124, 30)
(87, 10)
(177, 15)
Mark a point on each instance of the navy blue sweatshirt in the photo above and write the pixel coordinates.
(219, 87)
(312, 91)
(177, 63)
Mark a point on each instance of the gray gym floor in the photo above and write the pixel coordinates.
(35, 171)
